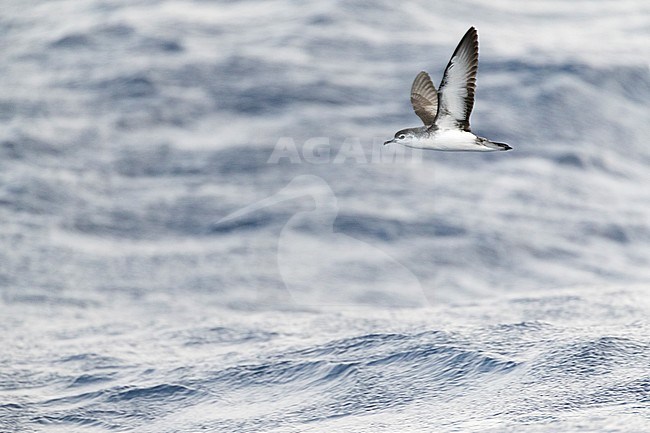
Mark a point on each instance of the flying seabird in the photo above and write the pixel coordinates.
(445, 113)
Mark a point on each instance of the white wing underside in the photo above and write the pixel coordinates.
(456, 92)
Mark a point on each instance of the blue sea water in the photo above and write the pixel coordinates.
(200, 229)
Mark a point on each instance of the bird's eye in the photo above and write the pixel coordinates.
(402, 136)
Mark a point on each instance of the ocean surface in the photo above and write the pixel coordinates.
(200, 229)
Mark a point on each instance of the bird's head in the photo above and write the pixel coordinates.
(404, 137)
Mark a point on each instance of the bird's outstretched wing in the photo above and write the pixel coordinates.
(456, 93)
(424, 98)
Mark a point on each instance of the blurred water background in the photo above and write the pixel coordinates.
(437, 292)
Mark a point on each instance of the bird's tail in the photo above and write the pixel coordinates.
(497, 146)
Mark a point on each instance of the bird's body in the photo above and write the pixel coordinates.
(452, 140)
(445, 113)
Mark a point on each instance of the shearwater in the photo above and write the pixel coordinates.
(446, 112)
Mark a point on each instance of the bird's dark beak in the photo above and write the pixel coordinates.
(389, 142)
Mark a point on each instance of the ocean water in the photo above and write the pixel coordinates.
(201, 231)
